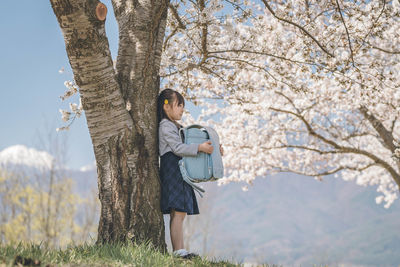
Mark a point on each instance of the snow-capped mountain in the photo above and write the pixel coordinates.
(89, 167)
(22, 155)
(31, 162)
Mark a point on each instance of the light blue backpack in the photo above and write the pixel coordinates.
(203, 167)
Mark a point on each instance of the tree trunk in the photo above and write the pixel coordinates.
(124, 141)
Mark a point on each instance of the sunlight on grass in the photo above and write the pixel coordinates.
(96, 255)
(28, 254)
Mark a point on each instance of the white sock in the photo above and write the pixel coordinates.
(181, 252)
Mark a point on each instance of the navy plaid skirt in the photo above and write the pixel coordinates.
(175, 192)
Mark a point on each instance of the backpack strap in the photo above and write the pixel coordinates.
(182, 130)
(218, 166)
(187, 178)
(195, 126)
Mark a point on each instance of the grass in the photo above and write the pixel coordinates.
(97, 255)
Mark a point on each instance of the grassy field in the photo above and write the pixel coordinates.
(97, 255)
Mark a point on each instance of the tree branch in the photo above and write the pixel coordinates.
(204, 33)
(347, 32)
(384, 50)
(169, 37)
(298, 26)
(176, 16)
(373, 25)
(238, 51)
(386, 136)
(90, 58)
(126, 45)
(393, 125)
(326, 173)
(344, 149)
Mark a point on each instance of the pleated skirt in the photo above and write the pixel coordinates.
(175, 192)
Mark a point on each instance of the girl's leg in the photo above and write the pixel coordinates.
(176, 229)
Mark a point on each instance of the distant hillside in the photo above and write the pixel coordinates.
(298, 221)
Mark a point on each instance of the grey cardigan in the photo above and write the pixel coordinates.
(169, 140)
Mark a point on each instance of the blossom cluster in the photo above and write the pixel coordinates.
(310, 87)
(74, 109)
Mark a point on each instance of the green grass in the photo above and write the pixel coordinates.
(100, 255)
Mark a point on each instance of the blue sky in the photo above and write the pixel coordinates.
(32, 51)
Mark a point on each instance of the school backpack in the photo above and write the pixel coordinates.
(203, 167)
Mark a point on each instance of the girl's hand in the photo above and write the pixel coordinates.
(221, 150)
(206, 147)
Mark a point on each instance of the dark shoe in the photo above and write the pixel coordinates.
(190, 256)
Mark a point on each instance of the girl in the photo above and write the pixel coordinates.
(177, 197)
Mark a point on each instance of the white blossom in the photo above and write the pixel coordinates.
(65, 115)
(282, 101)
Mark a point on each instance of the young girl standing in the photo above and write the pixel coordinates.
(177, 197)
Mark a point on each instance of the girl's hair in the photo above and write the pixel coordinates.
(171, 96)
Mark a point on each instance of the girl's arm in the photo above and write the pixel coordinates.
(169, 133)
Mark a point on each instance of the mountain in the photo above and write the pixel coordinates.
(31, 161)
(283, 219)
(24, 156)
(89, 167)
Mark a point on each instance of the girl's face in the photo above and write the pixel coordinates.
(173, 110)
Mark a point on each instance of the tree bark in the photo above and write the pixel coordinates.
(124, 141)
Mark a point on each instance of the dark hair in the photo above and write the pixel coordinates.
(171, 96)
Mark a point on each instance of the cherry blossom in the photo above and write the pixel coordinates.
(309, 87)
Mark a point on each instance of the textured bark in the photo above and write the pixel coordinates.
(124, 142)
(386, 136)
